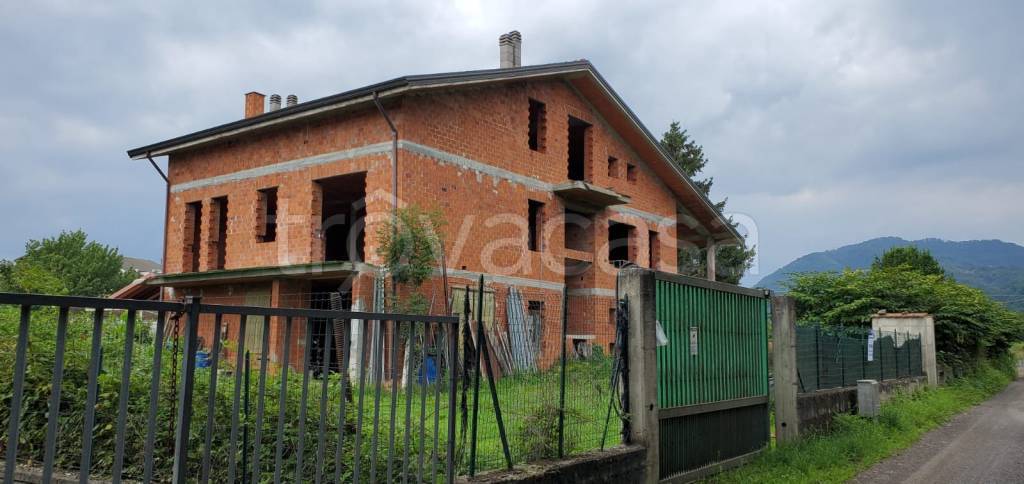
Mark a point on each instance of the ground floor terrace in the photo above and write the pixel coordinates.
(526, 322)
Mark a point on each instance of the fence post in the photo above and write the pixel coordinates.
(842, 358)
(909, 367)
(188, 376)
(896, 353)
(476, 376)
(787, 422)
(638, 287)
(817, 357)
(864, 359)
(561, 384)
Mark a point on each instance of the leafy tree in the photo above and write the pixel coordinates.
(920, 260)
(967, 322)
(66, 264)
(732, 260)
(411, 246)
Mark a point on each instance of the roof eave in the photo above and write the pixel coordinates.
(724, 233)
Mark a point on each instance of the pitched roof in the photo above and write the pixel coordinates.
(581, 74)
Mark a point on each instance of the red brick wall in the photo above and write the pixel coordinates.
(486, 215)
(490, 125)
(297, 220)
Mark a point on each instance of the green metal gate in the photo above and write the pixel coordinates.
(712, 375)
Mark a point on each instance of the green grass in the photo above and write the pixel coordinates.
(857, 443)
(528, 405)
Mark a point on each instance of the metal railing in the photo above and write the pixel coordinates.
(395, 353)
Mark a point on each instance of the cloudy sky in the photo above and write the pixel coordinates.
(826, 123)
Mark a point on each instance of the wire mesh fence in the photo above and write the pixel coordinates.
(551, 356)
(833, 357)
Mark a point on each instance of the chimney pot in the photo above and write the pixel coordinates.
(253, 104)
(292, 100)
(510, 48)
(275, 102)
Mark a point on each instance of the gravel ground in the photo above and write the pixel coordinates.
(984, 444)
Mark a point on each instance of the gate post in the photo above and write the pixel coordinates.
(787, 421)
(188, 379)
(637, 286)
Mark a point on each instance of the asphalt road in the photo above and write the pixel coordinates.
(984, 444)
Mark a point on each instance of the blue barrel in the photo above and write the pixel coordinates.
(202, 359)
(429, 370)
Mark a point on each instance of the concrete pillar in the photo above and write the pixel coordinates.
(914, 324)
(787, 421)
(869, 402)
(637, 285)
(356, 341)
(712, 258)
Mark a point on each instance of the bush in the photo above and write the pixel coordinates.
(537, 436)
(968, 324)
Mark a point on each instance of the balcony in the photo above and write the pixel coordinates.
(585, 195)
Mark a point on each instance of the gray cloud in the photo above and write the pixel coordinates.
(826, 122)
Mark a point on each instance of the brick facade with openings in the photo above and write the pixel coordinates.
(545, 178)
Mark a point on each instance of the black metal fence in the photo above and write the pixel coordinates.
(830, 357)
(545, 384)
(102, 392)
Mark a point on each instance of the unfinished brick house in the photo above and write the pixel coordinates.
(547, 181)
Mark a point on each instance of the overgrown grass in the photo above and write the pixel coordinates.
(529, 408)
(857, 443)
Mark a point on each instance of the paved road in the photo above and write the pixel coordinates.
(984, 444)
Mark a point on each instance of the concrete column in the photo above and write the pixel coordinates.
(787, 421)
(356, 341)
(637, 285)
(914, 324)
(712, 256)
(869, 402)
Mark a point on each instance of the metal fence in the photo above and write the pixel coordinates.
(832, 357)
(542, 385)
(81, 387)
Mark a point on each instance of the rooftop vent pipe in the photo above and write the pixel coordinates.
(292, 100)
(510, 48)
(275, 102)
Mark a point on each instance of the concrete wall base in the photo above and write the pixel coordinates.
(815, 409)
(613, 466)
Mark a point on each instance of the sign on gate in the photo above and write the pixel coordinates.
(694, 330)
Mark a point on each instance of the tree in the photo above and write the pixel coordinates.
(688, 155)
(966, 320)
(67, 264)
(411, 248)
(732, 260)
(920, 260)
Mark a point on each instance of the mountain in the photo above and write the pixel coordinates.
(993, 266)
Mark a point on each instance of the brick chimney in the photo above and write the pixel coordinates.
(253, 104)
(510, 48)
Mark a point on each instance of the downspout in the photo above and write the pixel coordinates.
(167, 215)
(394, 177)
